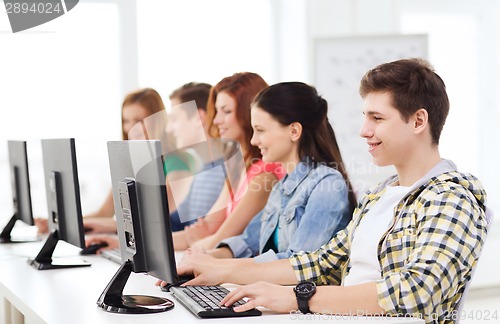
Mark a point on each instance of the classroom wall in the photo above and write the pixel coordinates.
(334, 18)
(471, 135)
(470, 67)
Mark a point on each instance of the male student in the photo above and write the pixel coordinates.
(414, 239)
(189, 126)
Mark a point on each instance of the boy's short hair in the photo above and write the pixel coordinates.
(196, 91)
(413, 84)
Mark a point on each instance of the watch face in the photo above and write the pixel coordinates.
(305, 288)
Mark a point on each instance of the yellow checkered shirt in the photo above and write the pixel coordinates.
(427, 254)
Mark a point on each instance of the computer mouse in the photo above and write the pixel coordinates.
(92, 248)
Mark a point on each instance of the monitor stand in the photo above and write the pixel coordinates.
(5, 235)
(43, 261)
(112, 298)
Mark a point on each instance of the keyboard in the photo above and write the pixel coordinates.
(204, 301)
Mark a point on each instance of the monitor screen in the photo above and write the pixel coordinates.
(143, 223)
(139, 164)
(20, 182)
(63, 202)
(63, 190)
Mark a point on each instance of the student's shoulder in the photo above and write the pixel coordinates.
(326, 175)
(455, 181)
(314, 174)
(324, 170)
(454, 185)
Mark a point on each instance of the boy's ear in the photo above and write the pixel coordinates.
(420, 120)
(295, 131)
(203, 115)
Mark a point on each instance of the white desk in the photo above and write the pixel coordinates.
(69, 295)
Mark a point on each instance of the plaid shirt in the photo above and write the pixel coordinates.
(427, 254)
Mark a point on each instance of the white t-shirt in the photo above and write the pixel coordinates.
(364, 263)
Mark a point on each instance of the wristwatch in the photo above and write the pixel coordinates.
(304, 291)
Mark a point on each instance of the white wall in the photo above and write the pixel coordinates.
(84, 97)
(64, 79)
(466, 55)
(334, 18)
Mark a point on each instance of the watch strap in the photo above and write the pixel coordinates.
(303, 305)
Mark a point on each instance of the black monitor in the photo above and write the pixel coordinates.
(63, 203)
(21, 194)
(143, 224)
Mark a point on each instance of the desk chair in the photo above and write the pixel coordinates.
(461, 303)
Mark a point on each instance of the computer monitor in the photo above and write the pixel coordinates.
(63, 203)
(142, 218)
(21, 194)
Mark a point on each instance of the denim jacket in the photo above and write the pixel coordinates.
(309, 206)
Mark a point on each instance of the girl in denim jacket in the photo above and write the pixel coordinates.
(314, 200)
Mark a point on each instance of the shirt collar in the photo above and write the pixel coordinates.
(292, 181)
(441, 167)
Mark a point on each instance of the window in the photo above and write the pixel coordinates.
(202, 41)
(62, 79)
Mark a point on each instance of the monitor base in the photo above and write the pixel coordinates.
(44, 261)
(112, 299)
(64, 265)
(5, 234)
(3, 240)
(137, 304)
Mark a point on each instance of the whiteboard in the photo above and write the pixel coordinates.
(339, 65)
